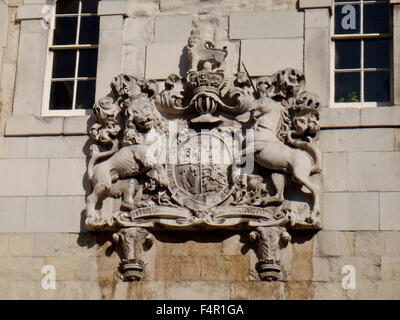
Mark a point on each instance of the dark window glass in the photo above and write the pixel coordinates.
(64, 63)
(376, 18)
(89, 30)
(61, 95)
(85, 94)
(347, 87)
(67, 6)
(87, 63)
(377, 86)
(377, 53)
(90, 6)
(347, 54)
(65, 31)
(347, 19)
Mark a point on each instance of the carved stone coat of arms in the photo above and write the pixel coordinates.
(206, 152)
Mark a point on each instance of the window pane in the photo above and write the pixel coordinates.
(61, 95)
(88, 63)
(65, 31)
(377, 53)
(90, 6)
(376, 18)
(377, 86)
(347, 54)
(64, 64)
(89, 30)
(67, 6)
(347, 87)
(347, 19)
(85, 94)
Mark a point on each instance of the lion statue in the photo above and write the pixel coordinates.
(140, 153)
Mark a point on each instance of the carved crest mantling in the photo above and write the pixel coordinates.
(206, 151)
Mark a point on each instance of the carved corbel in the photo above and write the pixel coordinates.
(270, 241)
(132, 242)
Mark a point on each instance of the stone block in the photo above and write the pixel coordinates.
(303, 290)
(196, 290)
(146, 290)
(180, 5)
(266, 25)
(265, 290)
(163, 59)
(12, 213)
(13, 147)
(391, 268)
(329, 291)
(366, 268)
(54, 214)
(320, 268)
(78, 125)
(389, 210)
(67, 177)
(388, 290)
(139, 31)
(30, 12)
(383, 116)
(334, 166)
(257, 55)
(392, 240)
(351, 211)
(171, 249)
(29, 125)
(397, 140)
(4, 245)
(382, 166)
(47, 244)
(24, 290)
(57, 147)
(353, 140)
(318, 18)
(340, 117)
(31, 61)
(112, 22)
(306, 4)
(172, 28)
(113, 8)
(208, 249)
(134, 60)
(316, 58)
(369, 243)
(21, 268)
(302, 254)
(232, 246)
(20, 245)
(23, 177)
(67, 268)
(334, 243)
(396, 54)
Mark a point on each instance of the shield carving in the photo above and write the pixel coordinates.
(201, 175)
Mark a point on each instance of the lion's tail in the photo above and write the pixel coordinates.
(99, 155)
(311, 147)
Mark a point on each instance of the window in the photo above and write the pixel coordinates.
(72, 58)
(362, 47)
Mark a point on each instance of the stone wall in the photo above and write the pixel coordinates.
(44, 182)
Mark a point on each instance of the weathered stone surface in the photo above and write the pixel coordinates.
(20, 245)
(172, 28)
(302, 266)
(147, 290)
(383, 166)
(140, 31)
(134, 60)
(388, 290)
(390, 268)
(232, 246)
(369, 243)
(351, 211)
(303, 4)
(380, 116)
(77, 125)
(196, 290)
(23, 177)
(353, 140)
(329, 291)
(174, 61)
(335, 171)
(318, 18)
(67, 268)
(28, 125)
(334, 243)
(57, 147)
(366, 268)
(321, 270)
(11, 147)
(70, 172)
(256, 54)
(299, 290)
(389, 210)
(392, 240)
(54, 214)
(12, 212)
(21, 268)
(340, 117)
(258, 25)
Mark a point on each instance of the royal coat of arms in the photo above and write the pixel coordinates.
(206, 152)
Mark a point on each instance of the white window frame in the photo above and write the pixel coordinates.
(362, 69)
(46, 112)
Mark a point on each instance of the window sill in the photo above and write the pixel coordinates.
(29, 125)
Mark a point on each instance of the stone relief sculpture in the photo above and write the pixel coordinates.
(206, 152)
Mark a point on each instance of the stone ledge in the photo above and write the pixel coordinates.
(108, 8)
(30, 12)
(310, 4)
(29, 125)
